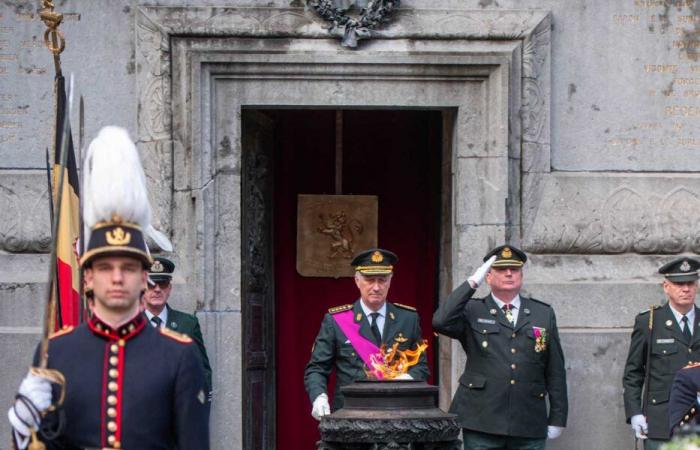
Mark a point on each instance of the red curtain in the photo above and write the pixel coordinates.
(395, 155)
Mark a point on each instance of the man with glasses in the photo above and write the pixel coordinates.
(160, 314)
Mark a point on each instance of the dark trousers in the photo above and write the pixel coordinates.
(473, 440)
(653, 444)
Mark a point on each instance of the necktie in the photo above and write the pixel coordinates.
(508, 309)
(686, 328)
(375, 329)
(156, 321)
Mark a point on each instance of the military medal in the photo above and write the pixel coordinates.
(540, 339)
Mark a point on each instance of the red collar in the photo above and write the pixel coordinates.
(125, 331)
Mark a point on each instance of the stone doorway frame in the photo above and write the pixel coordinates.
(200, 182)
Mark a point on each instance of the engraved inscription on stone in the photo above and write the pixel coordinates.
(331, 229)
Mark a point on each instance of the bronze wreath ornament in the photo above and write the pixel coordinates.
(373, 13)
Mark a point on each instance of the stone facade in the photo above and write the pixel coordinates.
(572, 136)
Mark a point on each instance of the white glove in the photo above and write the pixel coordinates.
(404, 376)
(478, 277)
(639, 426)
(321, 407)
(554, 432)
(38, 390)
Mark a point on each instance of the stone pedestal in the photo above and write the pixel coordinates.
(396, 415)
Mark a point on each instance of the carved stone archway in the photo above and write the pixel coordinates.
(187, 58)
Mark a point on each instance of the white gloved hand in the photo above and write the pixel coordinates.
(321, 407)
(38, 391)
(639, 426)
(478, 277)
(404, 376)
(554, 432)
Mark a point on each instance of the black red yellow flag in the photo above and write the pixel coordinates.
(68, 231)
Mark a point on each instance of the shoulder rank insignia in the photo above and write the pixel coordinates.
(174, 335)
(63, 331)
(337, 309)
(410, 308)
(692, 365)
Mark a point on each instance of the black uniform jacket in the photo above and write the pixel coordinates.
(331, 347)
(137, 387)
(188, 324)
(670, 351)
(507, 377)
(683, 404)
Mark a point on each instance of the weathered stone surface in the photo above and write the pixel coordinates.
(24, 201)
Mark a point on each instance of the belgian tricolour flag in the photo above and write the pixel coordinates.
(68, 231)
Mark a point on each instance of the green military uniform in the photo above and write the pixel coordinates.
(333, 347)
(509, 373)
(670, 352)
(188, 324)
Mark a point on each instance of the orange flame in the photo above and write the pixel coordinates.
(387, 365)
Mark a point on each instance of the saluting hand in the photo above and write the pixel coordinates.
(478, 277)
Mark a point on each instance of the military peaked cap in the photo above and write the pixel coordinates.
(507, 256)
(375, 261)
(681, 270)
(161, 270)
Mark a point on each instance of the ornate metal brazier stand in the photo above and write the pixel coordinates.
(390, 415)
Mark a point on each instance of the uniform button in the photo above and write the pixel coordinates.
(114, 348)
(111, 412)
(484, 331)
(113, 360)
(512, 350)
(117, 445)
(512, 366)
(132, 327)
(541, 395)
(111, 439)
(653, 401)
(664, 352)
(512, 381)
(686, 417)
(114, 373)
(690, 351)
(513, 335)
(112, 400)
(121, 342)
(112, 386)
(471, 384)
(112, 426)
(123, 332)
(485, 344)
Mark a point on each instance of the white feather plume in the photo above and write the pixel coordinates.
(115, 184)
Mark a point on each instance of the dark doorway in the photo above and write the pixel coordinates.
(393, 154)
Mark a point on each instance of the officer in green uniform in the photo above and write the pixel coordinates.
(514, 359)
(371, 319)
(160, 314)
(675, 343)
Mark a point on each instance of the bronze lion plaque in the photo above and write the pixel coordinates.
(331, 229)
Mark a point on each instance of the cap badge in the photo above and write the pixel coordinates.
(685, 266)
(506, 253)
(377, 257)
(118, 237)
(157, 267)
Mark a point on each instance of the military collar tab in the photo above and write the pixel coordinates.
(125, 331)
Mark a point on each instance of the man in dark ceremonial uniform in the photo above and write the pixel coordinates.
(514, 359)
(348, 331)
(160, 314)
(674, 344)
(685, 397)
(127, 384)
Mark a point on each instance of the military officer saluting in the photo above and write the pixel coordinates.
(514, 359)
(127, 384)
(672, 344)
(350, 333)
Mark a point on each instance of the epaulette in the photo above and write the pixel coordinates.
(63, 331)
(647, 310)
(541, 302)
(174, 335)
(692, 365)
(337, 309)
(410, 308)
